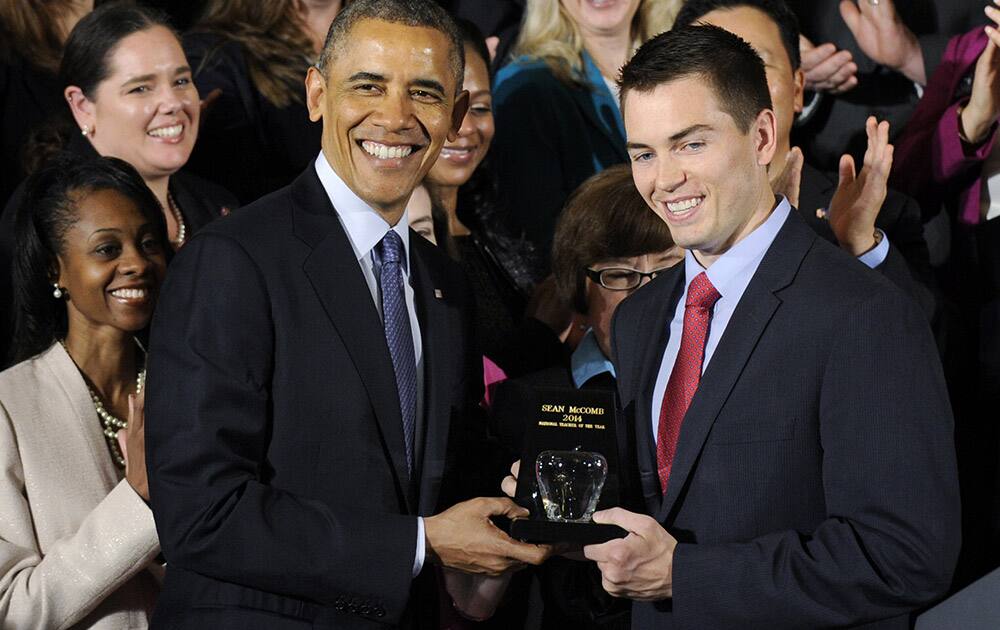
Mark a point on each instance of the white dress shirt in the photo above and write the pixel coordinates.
(365, 228)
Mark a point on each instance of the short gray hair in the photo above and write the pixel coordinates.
(422, 13)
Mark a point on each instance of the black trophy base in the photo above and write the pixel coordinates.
(544, 532)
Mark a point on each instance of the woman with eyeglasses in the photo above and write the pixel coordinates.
(607, 244)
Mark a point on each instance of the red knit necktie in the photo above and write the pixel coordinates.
(684, 378)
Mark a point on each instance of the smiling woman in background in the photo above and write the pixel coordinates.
(77, 540)
(557, 113)
(129, 90)
(502, 267)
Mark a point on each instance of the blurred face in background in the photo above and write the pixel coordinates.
(460, 158)
(785, 84)
(601, 17)
(146, 111)
(421, 214)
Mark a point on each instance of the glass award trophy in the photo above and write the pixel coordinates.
(569, 466)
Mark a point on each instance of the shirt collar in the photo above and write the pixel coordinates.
(587, 361)
(364, 226)
(731, 272)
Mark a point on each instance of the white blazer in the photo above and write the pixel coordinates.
(75, 538)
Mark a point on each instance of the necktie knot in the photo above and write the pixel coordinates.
(391, 248)
(701, 293)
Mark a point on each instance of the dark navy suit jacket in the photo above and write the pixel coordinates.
(277, 468)
(814, 483)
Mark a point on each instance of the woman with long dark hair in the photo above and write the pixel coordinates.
(256, 136)
(77, 539)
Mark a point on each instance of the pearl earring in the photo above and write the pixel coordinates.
(85, 131)
(58, 292)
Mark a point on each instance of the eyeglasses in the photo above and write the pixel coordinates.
(621, 278)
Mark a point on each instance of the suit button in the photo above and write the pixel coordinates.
(379, 611)
(364, 610)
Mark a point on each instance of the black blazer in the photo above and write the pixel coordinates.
(908, 263)
(245, 143)
(274, 440)
(814, 482)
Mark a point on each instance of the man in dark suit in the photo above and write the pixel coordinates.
(310, 365)
(793, 431)
(885, 232)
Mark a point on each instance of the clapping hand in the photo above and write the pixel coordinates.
(858, 199)
(882, 36)
(826, 68)
(984, 104)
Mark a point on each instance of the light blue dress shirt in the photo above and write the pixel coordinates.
(588, 361)
(365, 228)
(730, 274)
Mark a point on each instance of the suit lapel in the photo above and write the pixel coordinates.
(437, 328)
(657, 321)
(336, 277)
(749, 320)
(86, 435)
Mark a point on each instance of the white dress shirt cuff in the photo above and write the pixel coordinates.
(876, 255)
(418, 560)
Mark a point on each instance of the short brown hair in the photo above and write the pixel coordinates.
(605, 217)
(726, 62)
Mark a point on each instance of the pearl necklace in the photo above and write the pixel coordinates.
(112, 423)
(176, 211)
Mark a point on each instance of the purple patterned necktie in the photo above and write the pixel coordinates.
(388, 255)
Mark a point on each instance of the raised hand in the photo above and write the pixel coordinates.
(983, 107)
(789, 181)
(858, 199)
(826, 68)
(882, 36)
(132, 441)
(639, 566)
(464, 538)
